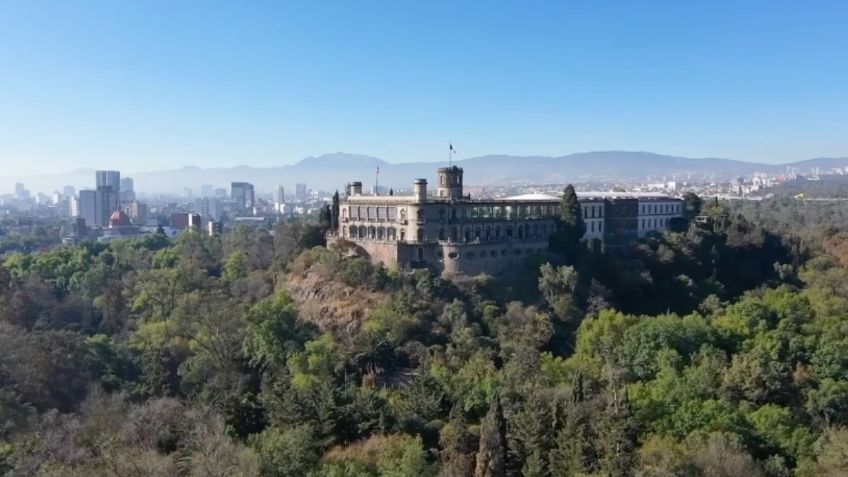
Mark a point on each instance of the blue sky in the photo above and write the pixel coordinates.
(149, 85)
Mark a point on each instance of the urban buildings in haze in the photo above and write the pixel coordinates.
(280, 200)
(127, 190)
(242, 196)
(110, 179)
(300, 192)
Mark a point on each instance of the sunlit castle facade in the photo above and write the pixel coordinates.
(452, 233)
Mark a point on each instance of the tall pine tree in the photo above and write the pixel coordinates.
(491, 456)
(571, 225)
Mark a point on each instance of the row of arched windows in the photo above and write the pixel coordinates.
(496, 232)
(654, 223)
(659, 209)
(372, 233)
(471, 255)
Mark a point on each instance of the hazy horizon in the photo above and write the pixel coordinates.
(175, 167)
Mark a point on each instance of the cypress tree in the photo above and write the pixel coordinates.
(570, 212)
(571, 225)
(491, 456)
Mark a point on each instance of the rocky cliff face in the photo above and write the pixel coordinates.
(331, 305)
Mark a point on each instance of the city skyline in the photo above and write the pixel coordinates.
(101, 84)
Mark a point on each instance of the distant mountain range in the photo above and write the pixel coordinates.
(333, 171)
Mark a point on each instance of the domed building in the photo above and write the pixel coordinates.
(120, 227)
(119, 219)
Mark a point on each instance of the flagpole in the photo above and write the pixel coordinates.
(377, 181)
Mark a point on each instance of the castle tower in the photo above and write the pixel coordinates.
(450, 182)
(419, 188)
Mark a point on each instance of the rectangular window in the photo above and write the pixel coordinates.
(372, 213)
(391, 213)
(381, 213)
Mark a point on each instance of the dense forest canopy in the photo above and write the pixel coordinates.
(717, 349)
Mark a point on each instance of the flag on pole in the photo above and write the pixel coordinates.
(378, 169)
(451, 148)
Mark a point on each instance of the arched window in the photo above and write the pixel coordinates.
(442, 233)
(391, 234)
(403, 215)
(381, 233)
(372, 232)
(454, 234)
(420, 235)
(402, 235)
(489, 232)
(477, 233)
(344, 213)
(362, 232)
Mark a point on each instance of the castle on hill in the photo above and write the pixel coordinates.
(452, 233)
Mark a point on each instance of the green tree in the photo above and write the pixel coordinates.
(403, 456)
(691, 205)
(491, 456)
(273, 330)
(571, 226)
(287, 452)
(559, 287)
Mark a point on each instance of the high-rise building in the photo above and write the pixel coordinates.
(68, 191)
(106, 199)
(96, 206)
(207, 190)
(209, 208)
(127, 190)
(138, 212)
(74, 207)
(242, 196)
(87, 207)
(21, 192)
(111, 179)
(300, 192)
(280, 200)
